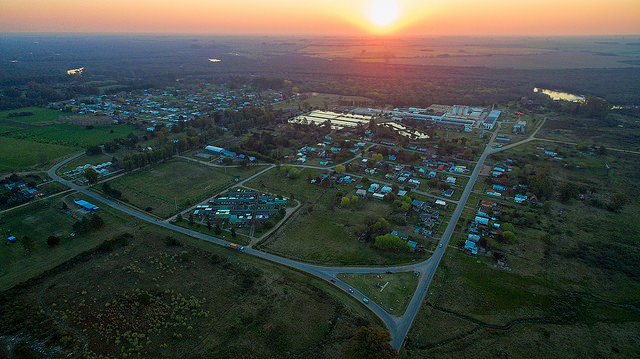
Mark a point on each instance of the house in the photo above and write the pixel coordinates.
(414, 181)
(361, 193)
(378, 196)
(441, 204)
(494, 193)
(386, 189)
(473, 238)
(471, 246)
(498, 187)
(519, 198)
(482, 220)
(448, 193)
(400, 235)
(450, 180)
(402, 193)
(374, 187)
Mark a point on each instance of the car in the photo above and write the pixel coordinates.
(350, 290)
(332, 280)
(440, 245)
(365, 300)
(389, 272)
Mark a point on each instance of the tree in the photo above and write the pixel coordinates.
(27, 244)
(345, 202)
(208, 223)
(91, 175)
(96, 221)
(509, 236)
(179, 217)
(340, 169)
(371, 343)
(233, 232)
(64, 205)
(218, 230)
(191, 218)
(53, 241)
(617, 201)
(568, 190)
(546, 207)
(391, 242)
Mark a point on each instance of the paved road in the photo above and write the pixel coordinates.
(398, 325)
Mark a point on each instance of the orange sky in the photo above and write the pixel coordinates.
(326, 17)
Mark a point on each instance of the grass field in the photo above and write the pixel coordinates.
(19, 154)
(275, 181)
(477, 310)
(39, 115)
(190, 300)
(177, 181)
(73, 136)
(397, 293)
(328, 234)
(40, 220)
(226, 235)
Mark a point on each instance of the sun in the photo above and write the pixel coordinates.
(383, 13)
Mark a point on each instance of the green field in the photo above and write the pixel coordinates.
(39, 115)
(396, 294)
(73, 136)
(474, 309)
(322, 233)
(18, 154)
(177, 181)
(276, 181)
(38, 221)
(191, 299)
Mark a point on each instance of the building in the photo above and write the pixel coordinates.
(86, 205)
(220, 151)
(520, 127)
(491, 119)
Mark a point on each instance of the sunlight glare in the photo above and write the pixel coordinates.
(383, 12)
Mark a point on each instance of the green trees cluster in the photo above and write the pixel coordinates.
(391, 242)
(371, 343)
(91, 223)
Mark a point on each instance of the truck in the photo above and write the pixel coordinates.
(236, 247)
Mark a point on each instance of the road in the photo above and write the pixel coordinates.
(398, 325)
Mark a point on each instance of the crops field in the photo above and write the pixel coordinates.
(17, 153)
(73, 136)
(39, 115)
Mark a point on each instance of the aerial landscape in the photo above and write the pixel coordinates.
(372, 179)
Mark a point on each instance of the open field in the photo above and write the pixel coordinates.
(322, 233)
(276, 181)
(19, 154)
(398, 289)
(226, 235)
(188, 299)
(477, 310)
(321, 100)
(183, 182)
(39, 115)
(40, 220)
(73, 136)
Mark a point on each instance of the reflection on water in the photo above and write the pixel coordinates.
(557, 95)
(214, 60)
(75, 71)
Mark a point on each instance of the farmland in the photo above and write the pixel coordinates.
(38, 115)
(73, 136)
(177, 181)
(18, 154)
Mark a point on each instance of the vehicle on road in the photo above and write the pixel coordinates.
(350, 290)
(440, 245)
(365, 300)
(236, 247)
(332, 280)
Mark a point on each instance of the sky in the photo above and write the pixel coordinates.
(325, 17)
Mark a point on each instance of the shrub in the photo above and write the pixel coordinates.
(53, 241)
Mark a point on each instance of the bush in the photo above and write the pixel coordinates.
(172, 242)
(391, 242)
(53, 241)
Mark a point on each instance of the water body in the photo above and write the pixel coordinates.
(75, 71)
(560, 96)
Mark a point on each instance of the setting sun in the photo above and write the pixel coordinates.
(383, 12)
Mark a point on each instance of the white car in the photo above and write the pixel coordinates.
(440, 245)
(365, 300)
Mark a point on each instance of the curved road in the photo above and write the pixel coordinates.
(398, 325)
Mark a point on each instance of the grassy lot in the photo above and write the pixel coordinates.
(276, 181)
(39, 115)
(19, 154)
(73, 136)
(474, 309)
(184, 182)
(328, 234)
(396, 294)
(40, 220)
(191, 299)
